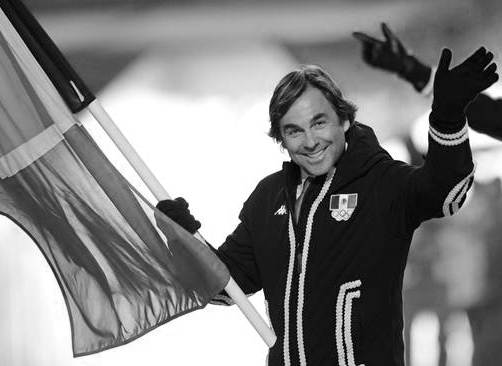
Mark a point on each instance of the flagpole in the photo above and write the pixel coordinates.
(232, 289)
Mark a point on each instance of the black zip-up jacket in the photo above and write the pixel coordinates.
(333, 280)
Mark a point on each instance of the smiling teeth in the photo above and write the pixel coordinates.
(317, 154)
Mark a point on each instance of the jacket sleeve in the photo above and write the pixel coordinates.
(237, 252)
(437, 188)
(484, 115)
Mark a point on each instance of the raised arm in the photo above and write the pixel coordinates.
(438, 188)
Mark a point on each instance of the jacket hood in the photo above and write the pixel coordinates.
(362, 153)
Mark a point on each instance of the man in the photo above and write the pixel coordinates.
(327, 237)
(484, 115)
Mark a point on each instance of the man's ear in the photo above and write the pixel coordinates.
(346, 125)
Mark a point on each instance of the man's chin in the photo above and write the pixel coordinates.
(316, 171)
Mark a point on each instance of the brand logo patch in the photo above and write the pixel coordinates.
(281, 210)
(342, 206)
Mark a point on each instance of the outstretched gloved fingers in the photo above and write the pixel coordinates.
(485, 61)
(489, 79)
(490, 70)
(444, 60)
(391, 38)
(363, 37)
(476, 58)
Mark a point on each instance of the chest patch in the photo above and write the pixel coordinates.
(342, 206)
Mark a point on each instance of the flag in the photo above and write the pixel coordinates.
(342, 206)
(123, 267)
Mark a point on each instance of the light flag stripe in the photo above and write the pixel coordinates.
(61, 118)
(25, 154)
(40, 81)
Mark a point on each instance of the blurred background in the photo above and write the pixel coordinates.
(188, 82)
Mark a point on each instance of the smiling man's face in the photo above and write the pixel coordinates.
(312, 133)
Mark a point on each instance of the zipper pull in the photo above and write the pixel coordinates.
(299, 262)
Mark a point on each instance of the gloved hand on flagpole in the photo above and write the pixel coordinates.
(178, 211)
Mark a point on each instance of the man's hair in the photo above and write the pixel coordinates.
(292, 86)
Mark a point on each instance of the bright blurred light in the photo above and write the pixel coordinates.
(424, 339)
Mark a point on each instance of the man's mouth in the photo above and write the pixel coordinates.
(316, 156)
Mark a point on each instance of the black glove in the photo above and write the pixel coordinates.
(391, 55)
(177, 210)
(454, 89)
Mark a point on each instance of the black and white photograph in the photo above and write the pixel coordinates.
(250, 182)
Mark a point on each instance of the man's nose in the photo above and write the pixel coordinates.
(310, 141)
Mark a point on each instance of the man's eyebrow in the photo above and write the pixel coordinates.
(318, 116)
(290, 125)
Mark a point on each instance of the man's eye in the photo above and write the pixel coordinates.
(320, 123)
(292, 132)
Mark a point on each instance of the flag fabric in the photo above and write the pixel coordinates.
(123, 267)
